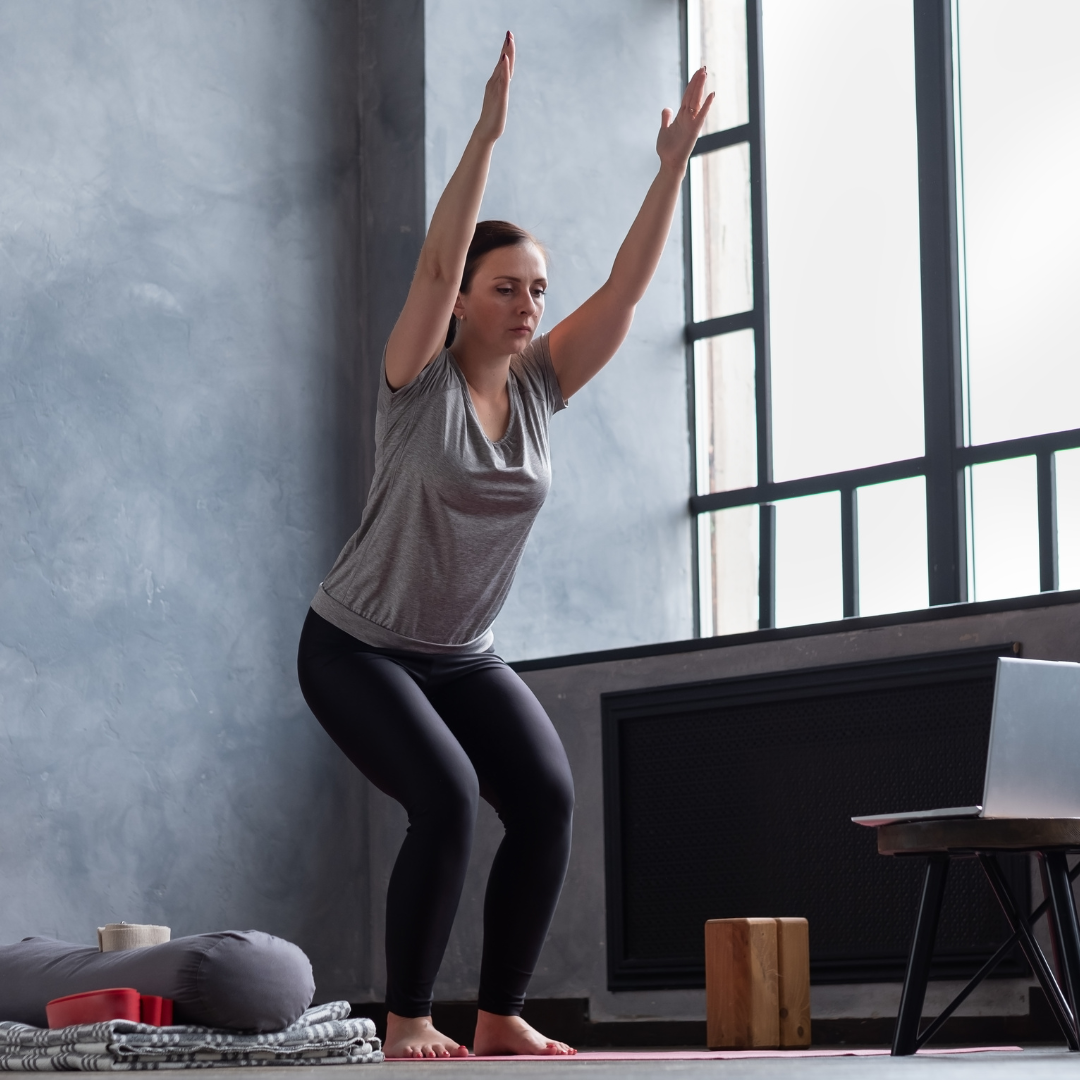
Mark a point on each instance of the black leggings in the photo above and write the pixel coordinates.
(435, 733)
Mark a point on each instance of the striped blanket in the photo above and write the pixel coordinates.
(323, 1035)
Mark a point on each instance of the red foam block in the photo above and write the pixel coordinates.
(94, 1007)
(119, 1003)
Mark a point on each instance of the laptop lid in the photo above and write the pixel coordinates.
(1033, 764)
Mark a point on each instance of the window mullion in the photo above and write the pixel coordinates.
(849, 543)
(688, 309)
(942, 386)
(762, 372)
(1047, 496)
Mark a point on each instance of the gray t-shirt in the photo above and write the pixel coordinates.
(448, 512)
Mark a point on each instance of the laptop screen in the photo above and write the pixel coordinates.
(1033, 764)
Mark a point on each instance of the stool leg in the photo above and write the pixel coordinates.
(1064, 928)
(906, 1035)
(1020, 922)
(1051, 926)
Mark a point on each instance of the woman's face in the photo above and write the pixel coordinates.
(500, 312)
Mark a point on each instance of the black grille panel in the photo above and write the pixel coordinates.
(734, 798)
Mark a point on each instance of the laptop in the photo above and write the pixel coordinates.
(1033, 761)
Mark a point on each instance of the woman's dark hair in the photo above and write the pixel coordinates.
(487, 236)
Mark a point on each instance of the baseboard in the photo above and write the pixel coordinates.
(568, 1019)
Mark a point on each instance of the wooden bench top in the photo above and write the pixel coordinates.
(979, 834)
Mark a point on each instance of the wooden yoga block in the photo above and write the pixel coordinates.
(757, 983)
(741, 985)
(793, 968)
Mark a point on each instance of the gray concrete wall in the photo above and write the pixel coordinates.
(574, 960)
(178, 325)
(609, 561)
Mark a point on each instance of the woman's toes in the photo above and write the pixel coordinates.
(498, 1035)
(417, 1037)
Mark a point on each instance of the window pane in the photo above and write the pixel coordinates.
(892, 547)
(720, 232)
(843, 226)
(1005, 529)
(809, 581)
(1020, 144)
(1067, 467)
(728, 574)
(716, 36)
(726, 417)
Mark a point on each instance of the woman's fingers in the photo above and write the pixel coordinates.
(688, 93)
(696, 120)
(695, 91)
(507, 54)
(497, 92)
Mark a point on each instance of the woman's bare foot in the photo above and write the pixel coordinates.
(417, 1037)
(496, 1035)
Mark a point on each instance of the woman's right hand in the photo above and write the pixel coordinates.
(497, 94)
(419, 333)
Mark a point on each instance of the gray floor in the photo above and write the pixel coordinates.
(1040, 1063)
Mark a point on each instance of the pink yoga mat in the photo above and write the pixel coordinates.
(717, 1055)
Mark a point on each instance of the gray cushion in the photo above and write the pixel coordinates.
(246, 980)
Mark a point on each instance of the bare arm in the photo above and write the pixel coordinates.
(420, 330)
(588, 338)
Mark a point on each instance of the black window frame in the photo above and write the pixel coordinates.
(947, 457)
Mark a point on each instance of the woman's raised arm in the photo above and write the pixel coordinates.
(420, 330)
(588, 338)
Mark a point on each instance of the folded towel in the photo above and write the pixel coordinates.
(322, 1036)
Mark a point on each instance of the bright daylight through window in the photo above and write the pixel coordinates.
(881, 306)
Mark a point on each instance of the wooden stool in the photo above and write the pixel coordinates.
(983, 838)
(757, 983)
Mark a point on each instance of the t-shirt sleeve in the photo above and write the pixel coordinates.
(538, 372)
(393, 404)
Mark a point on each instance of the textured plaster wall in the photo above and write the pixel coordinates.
(609, 561)
(178, 188)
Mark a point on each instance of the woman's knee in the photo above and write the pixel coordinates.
(559, 796)
(545, 805)
(447, 800)
(555, 784)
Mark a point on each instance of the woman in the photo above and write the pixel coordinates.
(396, 656)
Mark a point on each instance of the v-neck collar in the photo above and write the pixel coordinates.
(511, 390)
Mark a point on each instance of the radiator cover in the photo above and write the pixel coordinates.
(733, 798)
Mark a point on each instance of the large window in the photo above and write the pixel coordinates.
(882, 296)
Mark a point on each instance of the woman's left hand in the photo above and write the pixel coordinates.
(677, 136)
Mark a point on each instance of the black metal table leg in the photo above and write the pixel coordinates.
(1019, 922)
(1064, 926)
(1055, 948)
(906, 1035)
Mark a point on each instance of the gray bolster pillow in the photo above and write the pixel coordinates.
(245, 980)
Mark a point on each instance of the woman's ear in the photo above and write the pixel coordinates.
(459, 307)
